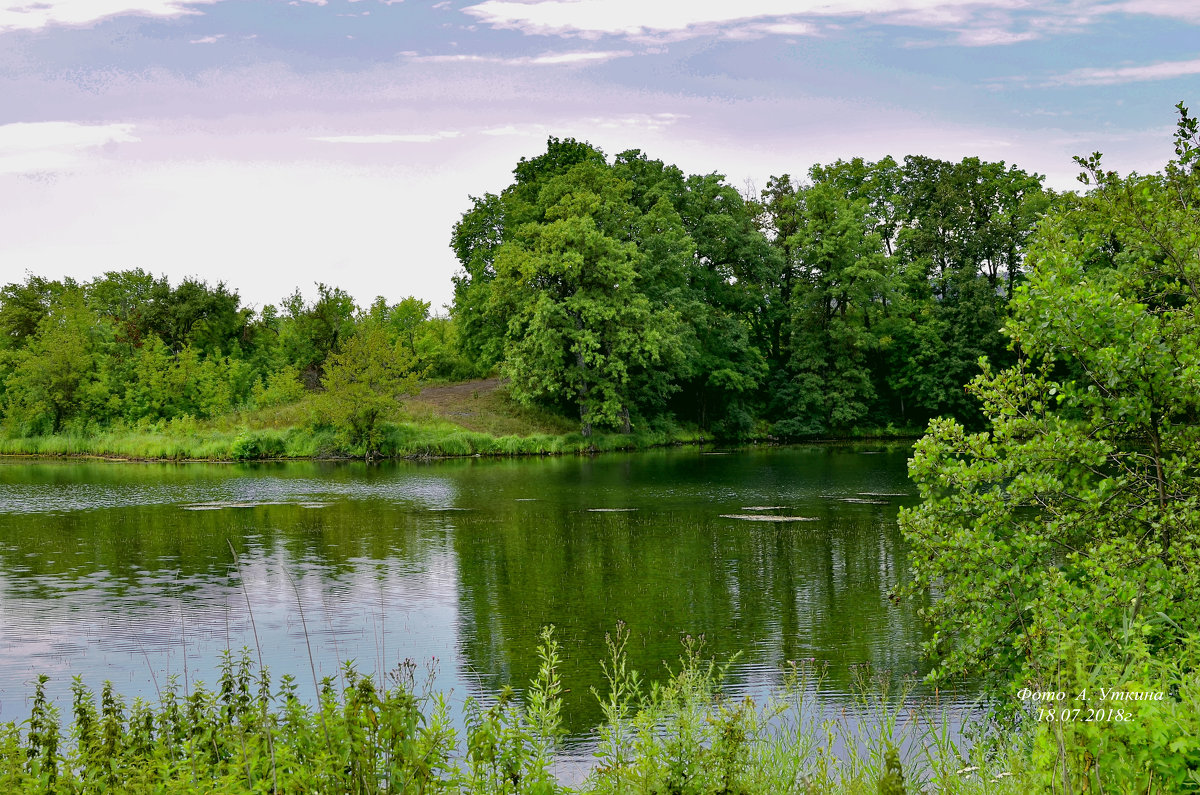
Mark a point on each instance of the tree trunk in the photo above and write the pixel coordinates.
(585, 424)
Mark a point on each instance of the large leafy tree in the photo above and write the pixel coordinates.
(840, 276)
(581, 328)
(1069, 529)
(705, 266)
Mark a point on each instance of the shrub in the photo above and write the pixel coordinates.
(253, 445)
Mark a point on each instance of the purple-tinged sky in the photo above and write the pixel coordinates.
(273, 144)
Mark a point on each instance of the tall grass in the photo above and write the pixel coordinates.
(401, 440)
(249, 734)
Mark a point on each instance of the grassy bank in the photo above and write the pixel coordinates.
(352, 734)
(401, 440)
(463, 419)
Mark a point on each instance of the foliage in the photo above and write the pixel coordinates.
(1066, 536)
(54, 376)
(353, 734)
(580, 327)
(162, 386)
(864, 296)
(363, 385)
(257, 445)
(621, 292)
(313, 331)
(281, 387)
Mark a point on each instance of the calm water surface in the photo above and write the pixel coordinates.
(124, 571)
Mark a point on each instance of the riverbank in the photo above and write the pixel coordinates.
(473, 418)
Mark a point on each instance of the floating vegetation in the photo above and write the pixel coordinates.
(221, 505)
(767, 517)
(611, 510)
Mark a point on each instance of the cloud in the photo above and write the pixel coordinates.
(588, 125)
(989, 37)
(1185, 10)
(973, 22)
(758, 30)
(648, 18)
(37, 14)
(574, 58)
(38, 147)
(389, 138)
(208, 39)
(1165, 70)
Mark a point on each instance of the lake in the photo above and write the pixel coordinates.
(124, 571)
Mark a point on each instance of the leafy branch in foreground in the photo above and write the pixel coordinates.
(1064, 541)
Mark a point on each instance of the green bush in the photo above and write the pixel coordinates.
(1137, 728)
(253, 445)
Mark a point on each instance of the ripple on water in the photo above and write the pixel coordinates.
(766, 517)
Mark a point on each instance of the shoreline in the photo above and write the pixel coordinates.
(560, 446)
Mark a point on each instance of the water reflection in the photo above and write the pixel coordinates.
(110, 571)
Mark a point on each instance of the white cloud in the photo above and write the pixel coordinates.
(988, 37)
(586, 126)
(639, 18)
(545, 59)
(389, 138)
(975, 22)
(32, 147)
(522, 130)
(758, 30)
(208, 39)
(1165, 70)
(37, 14)
(1186, 10)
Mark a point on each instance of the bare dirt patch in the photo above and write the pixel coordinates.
(484, 406)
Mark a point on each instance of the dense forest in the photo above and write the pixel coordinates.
(621, 292)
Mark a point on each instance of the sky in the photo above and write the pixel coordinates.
(274, 144)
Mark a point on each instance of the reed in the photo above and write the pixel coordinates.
(363, 735)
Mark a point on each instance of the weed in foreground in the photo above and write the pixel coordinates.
(682, 736)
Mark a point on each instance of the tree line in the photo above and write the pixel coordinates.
(630, 293)
(623, 292)
(128, 347)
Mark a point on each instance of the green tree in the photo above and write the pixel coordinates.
(162, 385)
(60, 373)
(364, 383)
(1068, 532)
(310, 332)
(705, 265)
(841, 274)
(23, 306)
(581, 328)
(492, 221)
